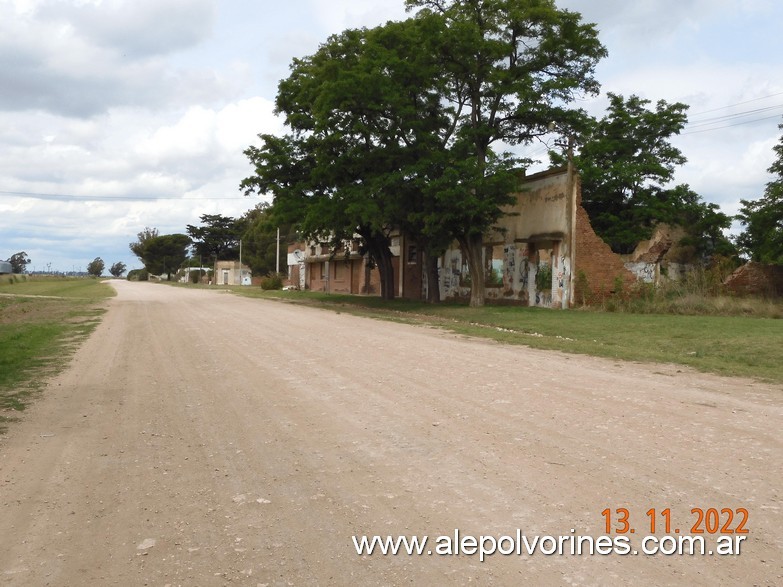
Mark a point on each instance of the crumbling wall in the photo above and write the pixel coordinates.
(533, 238)
(756, 279)
(662, 257)
(598, 269)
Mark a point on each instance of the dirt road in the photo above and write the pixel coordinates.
(200, 438)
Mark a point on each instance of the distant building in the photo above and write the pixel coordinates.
(5, 267)
(232, 273)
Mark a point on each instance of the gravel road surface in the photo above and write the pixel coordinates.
(200, 438)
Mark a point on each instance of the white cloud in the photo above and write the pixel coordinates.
(81, 60)
(337, 15)
(135, 28)
(157, 100)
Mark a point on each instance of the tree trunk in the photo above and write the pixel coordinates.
(378, 245)
(473, 247)
(433, 281)
(386, 269)
(387, 275)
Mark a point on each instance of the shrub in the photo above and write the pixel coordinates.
(138, 275)
(581, 287)
(544, 278)
(272, 281)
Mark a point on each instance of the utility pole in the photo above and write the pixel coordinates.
(277, 256)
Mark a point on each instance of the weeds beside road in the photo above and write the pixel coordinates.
(42, 321)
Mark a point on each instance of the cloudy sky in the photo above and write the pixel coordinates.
(121, 114)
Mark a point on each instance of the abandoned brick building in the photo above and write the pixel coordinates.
(545, 253)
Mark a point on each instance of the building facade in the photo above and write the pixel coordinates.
(543, 252)
(232, 273)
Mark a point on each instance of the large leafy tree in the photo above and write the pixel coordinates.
(19, 262)
(218, 237)
(117, 269)
(96, 267)
(405, 125)
(137, 247)
(355, 109)
(165, 254)
(762, 219)
(625, 161)
(513, 66)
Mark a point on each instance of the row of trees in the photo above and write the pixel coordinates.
(96, 267)
(19, 262)
(217, 238)
(416, 125)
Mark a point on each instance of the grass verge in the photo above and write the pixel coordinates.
(743, 346)
(42, 322)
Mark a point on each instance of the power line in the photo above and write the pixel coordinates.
(730, 125)
(726, 117)
(739, 104)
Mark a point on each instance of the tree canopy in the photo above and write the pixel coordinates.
(19, 262)
(626, 162)
(409, 124)
(762, 219)
(259, 239)
(164, 254)
(117, 269)
(137, 247)
(218, 237)
(96, 267)
(353, 108)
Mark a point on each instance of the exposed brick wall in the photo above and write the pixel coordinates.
(596, 261)
(756, 279)
(350, 277)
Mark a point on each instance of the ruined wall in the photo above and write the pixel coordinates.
(662, 258)
(597, 266)
(532, 238)
(756, 279)
(540, 212)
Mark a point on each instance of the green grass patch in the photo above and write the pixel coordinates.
(746, 346)
(42, 322)
(87, 288)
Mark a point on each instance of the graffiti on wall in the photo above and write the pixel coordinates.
(644, 271)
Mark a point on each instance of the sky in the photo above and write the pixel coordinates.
(116, 115)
